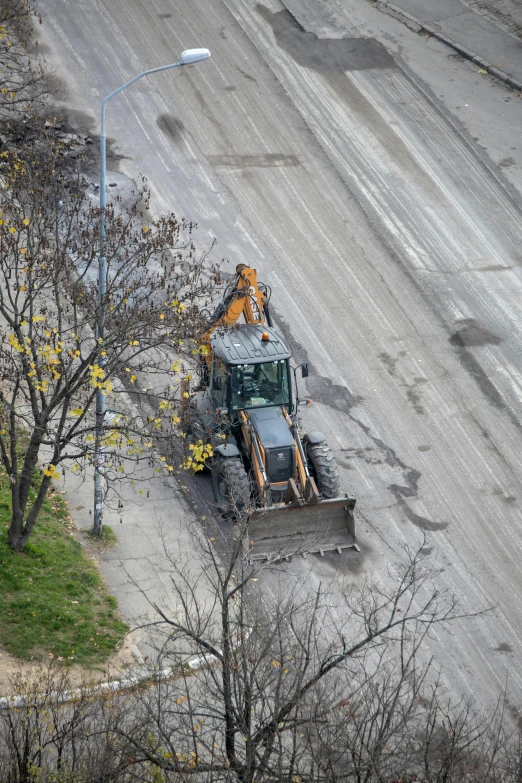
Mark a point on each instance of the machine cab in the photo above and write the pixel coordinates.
(250, 369)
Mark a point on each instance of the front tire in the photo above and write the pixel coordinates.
(230, 485)
(324, 469)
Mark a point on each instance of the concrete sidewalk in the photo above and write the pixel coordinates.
(156, 527)
(507, 14)
(473, 30)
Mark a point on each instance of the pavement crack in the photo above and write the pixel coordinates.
(419, 521)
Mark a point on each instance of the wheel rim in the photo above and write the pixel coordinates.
(220, 486)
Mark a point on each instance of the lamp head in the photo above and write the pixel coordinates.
(193, 56)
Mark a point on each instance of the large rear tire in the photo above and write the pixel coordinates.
(324, 469)
(230, 485)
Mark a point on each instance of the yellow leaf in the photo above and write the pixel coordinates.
(182, 700)
(145, 229)
(481, 70)
(26, 221)
(53, 472)
(276, 664)
(23, 288)
(23, 250)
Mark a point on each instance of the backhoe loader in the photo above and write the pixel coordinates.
(284, 482)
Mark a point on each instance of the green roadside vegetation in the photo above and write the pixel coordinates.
(52, 598)
(107, 539)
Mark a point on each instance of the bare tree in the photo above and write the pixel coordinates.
(320, 686)
(52, 732)
(23, 85)
(51, 365)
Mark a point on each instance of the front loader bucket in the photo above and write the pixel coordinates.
(278, 532)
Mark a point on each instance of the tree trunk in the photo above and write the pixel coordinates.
(17, 538)
(19, 530)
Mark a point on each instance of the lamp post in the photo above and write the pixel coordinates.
(186, 57)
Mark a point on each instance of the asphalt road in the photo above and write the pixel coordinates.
(374, 183)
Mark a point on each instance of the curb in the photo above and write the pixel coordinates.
(137, 678)
(421, 27)
(103, 687)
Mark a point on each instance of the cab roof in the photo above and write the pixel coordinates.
(242, 344)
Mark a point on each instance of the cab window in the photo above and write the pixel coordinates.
(259, 385)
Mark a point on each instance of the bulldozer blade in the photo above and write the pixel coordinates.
(279, 532)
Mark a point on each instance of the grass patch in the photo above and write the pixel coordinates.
(52, 597)
(107, 540)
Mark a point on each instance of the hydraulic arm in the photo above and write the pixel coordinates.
(242, 298)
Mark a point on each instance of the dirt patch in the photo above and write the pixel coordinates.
(120, 662)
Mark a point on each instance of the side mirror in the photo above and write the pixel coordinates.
(304, 370)
(216, 384)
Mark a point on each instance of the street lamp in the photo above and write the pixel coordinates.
(186, 57)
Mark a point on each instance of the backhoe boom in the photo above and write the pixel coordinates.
(243, 298)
